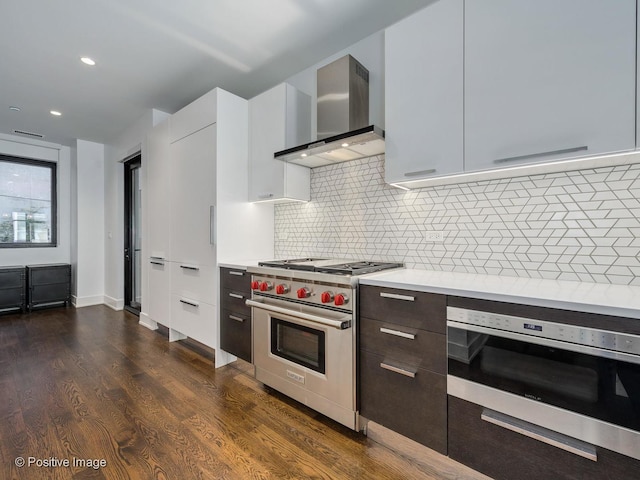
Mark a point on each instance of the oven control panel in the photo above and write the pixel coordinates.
(590, 337)
(315, 293)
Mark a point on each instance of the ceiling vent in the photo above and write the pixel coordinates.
(28, 134)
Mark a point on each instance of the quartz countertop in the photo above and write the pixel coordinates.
(617, 300)
(239, 264)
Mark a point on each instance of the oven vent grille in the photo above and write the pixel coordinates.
(28, 134)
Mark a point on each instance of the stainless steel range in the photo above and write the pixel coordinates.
(304, 330)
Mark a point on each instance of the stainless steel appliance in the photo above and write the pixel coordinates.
(580, 384)
(343, 132)
(304, 316)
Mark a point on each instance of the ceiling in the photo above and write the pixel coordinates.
(161, 54)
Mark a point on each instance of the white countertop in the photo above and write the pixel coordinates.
(239, 264)
(618, 300)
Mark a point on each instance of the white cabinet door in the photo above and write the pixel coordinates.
(193, 195)
(194, 319)
(158, 305)
(157, 164)
(279, 118)
(195, 116)
(424, 94)
(547, 79)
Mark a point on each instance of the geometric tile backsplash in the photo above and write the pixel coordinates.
(581, 225)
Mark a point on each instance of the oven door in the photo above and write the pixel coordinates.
(307, 353)
(601, 386)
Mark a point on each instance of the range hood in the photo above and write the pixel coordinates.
(343, 126)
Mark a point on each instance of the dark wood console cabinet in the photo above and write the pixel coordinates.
(48, 285)
(235, 316)
(12, 289)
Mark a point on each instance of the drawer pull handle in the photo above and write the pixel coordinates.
(190, 267)
(156, 263)
(401, 371)
(541, 434)
(234, 272)
(429, 171)
(235, 295)
(237, 319)
(190, 303)
(541, 154)
(395, 296)
(398, 333)
(156, 258)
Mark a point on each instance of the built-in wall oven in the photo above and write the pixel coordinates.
(304, 317)
(582, 382)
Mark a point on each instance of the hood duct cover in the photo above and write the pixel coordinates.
(343, 126)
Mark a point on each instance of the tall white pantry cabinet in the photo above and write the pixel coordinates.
(197, 215)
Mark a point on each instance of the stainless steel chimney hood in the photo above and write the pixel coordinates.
(343, 126)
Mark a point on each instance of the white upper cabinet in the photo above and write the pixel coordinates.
(424, 93)
(279, 118)
(547, 80)
(195, 116)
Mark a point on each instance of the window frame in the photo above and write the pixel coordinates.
(53, 166)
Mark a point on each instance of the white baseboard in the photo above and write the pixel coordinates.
(115, 303)
(80, 302)
(146, 321)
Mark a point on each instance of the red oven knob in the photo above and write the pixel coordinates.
(255, 285)
(266, 286)
(341, 299)
(281, 289)
(304, 292)
(326, 297)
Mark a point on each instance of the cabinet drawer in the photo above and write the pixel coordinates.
(422, 310)
(412, 346)
(194, 319)
(44, 275)
(504, 454)
(12, 278)
(55, 292)
(233, 301)
(194, 281)
(414, 407)
(235, 334)
(12, 298)
(236, 279)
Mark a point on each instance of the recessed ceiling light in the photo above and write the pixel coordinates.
(87, 61)
(15, 109)
(303, 155)
(345, 145)
(55, 112)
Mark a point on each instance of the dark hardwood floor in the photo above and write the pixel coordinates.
(91, 385)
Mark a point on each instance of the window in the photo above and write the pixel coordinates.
(27, 202)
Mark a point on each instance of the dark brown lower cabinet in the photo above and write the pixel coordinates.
(507, 455)
(235, 316)
(235, 334)
(415, 407)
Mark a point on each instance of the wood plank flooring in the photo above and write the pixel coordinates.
(91, 385)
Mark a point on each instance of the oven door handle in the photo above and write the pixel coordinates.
(329, 322)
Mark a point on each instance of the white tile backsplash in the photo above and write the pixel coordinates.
(580, 225)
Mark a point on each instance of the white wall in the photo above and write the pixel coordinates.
(370, 53)
(88, 205)
(129, 142)
(25, 147)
